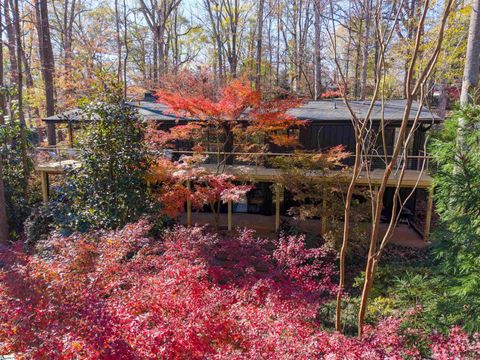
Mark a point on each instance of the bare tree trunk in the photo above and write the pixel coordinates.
(318, 54)
(357, 70)
(414, 89)
(258, 77)
(346, 231)
(277, 67)
(366, 35)
(470, 73)
(215, 23)
(119, 42)
(442, 103)
(9, 26)
(46, 54)
(127, 49)
(4, 233)
(3, 107)
(21, 116)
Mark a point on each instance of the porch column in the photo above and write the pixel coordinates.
(229, 215)
(45, 187)
(277, 207)
(51, 134)
(428, 216)
(189, 206)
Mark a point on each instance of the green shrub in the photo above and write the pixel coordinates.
(109, 189)
(38, 225)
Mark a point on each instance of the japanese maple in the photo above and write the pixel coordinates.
(179, 181)
(237, 113)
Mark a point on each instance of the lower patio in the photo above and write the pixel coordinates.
(403, 235)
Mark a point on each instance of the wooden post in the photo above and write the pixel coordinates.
(189, 206)
(428, 216)
(51, 134)
(324, 216)
(277, 207)
(229, 216)
(70, 134)
(45, 186)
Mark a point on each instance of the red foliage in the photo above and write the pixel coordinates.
(330, 94)
(236, 103)
(206, 188)
(191, 294)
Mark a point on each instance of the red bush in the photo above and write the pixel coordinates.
(191, 294)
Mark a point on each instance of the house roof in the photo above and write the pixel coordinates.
(322, 111)
(336, 110)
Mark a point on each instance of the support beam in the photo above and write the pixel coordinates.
(277, 207)
(229, 215)
(45, 186)
(189, 205)
(428, 216)
(51, 134)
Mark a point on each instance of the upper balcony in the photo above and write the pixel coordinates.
(259, 167)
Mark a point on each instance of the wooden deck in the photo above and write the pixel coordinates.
(411, 178)
(56, 167)
(52, 168)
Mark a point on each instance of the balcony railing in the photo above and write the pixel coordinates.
(55, 156)
(64, 156)
(372, 162)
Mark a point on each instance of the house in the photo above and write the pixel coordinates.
(329, 124)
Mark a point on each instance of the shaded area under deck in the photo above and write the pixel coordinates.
(265, 226)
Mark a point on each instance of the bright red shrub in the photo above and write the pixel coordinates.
(191, 294)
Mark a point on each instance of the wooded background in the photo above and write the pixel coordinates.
(57, 52)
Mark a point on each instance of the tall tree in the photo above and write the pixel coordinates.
(318, 43)
(367, 8)
(21, 114)
(119, 42)
(157, 13)
(2, 80)
(472, 61)
(258, 77)
(47, 62)
(11, 42)
(4, 233)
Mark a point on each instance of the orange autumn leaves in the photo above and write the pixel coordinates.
(237, 110)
